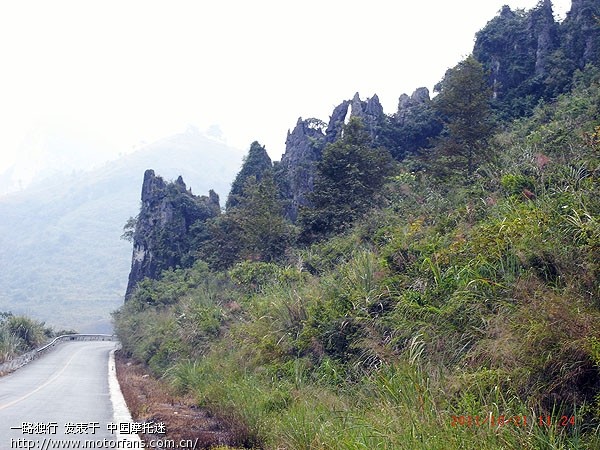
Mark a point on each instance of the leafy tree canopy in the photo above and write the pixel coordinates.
(464, 106)
(349, 176)
(256, 163)
(255, 229)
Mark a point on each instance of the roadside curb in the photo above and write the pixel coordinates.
(121, 413)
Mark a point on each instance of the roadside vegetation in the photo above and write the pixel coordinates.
(21, 334)
(457, 306)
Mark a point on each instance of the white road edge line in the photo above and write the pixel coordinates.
(121, 413)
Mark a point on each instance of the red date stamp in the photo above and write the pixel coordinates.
(511, 420)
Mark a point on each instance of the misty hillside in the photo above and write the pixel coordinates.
(61, 254)
(47, 152)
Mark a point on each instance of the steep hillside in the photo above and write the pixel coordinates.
(459, 311)
(61, 254)
(423, 280)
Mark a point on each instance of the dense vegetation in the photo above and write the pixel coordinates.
(21, 334)
(447, 300)
(530, 57)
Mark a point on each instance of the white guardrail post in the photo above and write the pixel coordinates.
(20, 361)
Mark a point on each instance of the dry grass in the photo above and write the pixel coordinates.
(151, 400)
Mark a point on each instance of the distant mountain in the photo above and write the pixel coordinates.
(61, 254)
(48, 150)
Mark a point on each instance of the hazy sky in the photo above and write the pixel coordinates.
(119, 73)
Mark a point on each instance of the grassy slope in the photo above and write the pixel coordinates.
(454, 302)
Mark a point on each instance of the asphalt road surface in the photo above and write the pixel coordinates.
(64, 393)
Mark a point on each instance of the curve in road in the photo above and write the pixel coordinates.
(66, 391)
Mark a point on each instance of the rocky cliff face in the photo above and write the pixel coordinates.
(543, 32)
(256, 163)
(581, 32)
(413, 125)
(303, 148)
(305, 143)
(530, 56)
(162, 238)
(516, 46)
(336, 122)
(370, 112)
(409, 107)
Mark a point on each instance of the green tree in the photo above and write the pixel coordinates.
(129, 229)
(347, 182)
(256, 163)
(266, 234)
(254, 229)
(218, 242)
(464, 106)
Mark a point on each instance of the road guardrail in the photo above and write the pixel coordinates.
(20, 361)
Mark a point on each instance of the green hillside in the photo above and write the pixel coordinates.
(444, 295)
(458, 299)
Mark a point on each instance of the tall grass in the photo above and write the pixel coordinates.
(9, 345)
(397, 407)
(457, 306)
(20, 334)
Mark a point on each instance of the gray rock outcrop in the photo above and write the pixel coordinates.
(303, 149)
(581, 32)
(161, 239)
(305, 144)
(370, 112)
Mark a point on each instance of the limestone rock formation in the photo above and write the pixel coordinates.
(544, 30)
(530, 56)
(336, 122)
(407, 105)
(305, 143)
(516, 46)
(162, 239)
(581, 32)
(370, 112)
(413, 125)
(303, 148)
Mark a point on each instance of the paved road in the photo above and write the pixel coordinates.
(67, 385)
